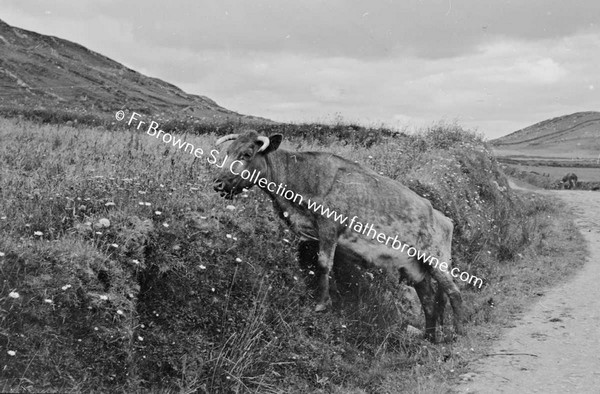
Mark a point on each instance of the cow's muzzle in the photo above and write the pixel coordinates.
(219, 187)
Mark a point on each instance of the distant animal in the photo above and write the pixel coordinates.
(569, 181)
(347, 188)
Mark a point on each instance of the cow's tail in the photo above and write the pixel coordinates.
(440, 303)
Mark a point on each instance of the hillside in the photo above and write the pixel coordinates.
(39, 71)
(575, 135)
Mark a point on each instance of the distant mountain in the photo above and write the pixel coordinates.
(39, 71)
(564, 135)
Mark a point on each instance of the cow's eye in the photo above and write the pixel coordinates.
(245, 156)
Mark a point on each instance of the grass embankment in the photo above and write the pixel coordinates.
(182, 290)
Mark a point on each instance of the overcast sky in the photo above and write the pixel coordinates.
(493, 65)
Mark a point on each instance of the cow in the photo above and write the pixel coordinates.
(347, 187)
(569, 181)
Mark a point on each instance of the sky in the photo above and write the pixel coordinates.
(494, 66)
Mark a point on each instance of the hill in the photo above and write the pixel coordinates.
(570, 136)
(40, 71)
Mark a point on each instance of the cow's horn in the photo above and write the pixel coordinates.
(226, 138)
(265, 141)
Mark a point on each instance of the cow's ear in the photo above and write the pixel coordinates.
(274, 141)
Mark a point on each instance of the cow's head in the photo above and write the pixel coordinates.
(245, 154)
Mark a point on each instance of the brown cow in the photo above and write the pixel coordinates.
(294, 180)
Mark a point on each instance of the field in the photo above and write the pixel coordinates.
(123, 271)
(586, 174)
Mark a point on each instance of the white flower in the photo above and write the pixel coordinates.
(13, 294)
(48, 301)
(110, 204)
(38, 233)
(120, 312)
(165, 225)
(311, 272)
(140, 338)
(3, 218)
(136, 262)
(238, 260)
(202, 267)
(65, 287)
(103, 297)
(2, 254)
(203, 217)
(228, 235)
(147, 204)
(104, 222)
(230, 207)
(11, 353)
(114, 245)
(157, 212)
(141, 203)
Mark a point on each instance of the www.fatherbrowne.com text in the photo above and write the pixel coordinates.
(367, 229)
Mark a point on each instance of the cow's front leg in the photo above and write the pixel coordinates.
(327, 247)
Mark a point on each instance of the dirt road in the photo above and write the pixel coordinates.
(556, 344)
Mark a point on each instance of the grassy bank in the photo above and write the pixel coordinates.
(123, 271)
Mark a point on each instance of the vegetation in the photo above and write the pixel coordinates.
(123, 271)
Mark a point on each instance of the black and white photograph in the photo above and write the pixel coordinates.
(309, 196)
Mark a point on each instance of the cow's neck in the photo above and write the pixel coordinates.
(281, 166)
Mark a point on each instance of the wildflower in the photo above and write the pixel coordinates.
(104, 222)
(142, 192)
(2, 254)
(238, 260)
(141, 203)
(120, 312)
(202, 267)
(230, 207)
(161, 185)
(212, 289)
(65, 287)
(3, 218)
(311, 272)
(11, 353)
(13, 294)
(98, 233)
(103, 297)
(203, 217)
(147, 204)
(286, 240)
(158, 213)
(114, 245)
(285, 214)
(165, 224)
(295, 278)
(234, 238)
(95, 328)
(140, 338)
(48, 301)
(136, 262)
(110, 204)
(228, 235)
(38, 233)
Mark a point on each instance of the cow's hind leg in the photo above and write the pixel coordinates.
(427, 298)
(447, 285)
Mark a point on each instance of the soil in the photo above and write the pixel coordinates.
(555, 346)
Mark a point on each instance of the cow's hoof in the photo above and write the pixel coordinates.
(322, 306)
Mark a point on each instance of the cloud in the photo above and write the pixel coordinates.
(497, 66)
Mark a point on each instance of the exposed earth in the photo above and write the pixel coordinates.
(555, 346)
